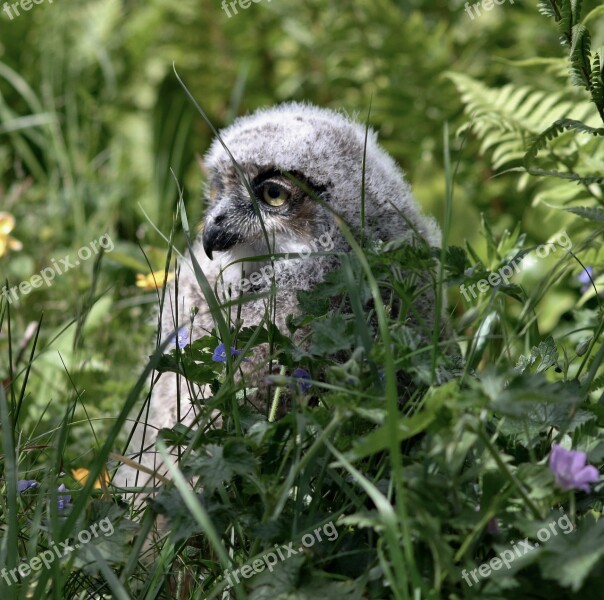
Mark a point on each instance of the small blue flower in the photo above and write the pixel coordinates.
(584, 278)
(182, 337)
(64, 499)
(302, 377)
(220, 353)
(26, 484)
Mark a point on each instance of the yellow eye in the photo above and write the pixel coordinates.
(274, 194)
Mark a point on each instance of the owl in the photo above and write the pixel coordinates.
(280, 183)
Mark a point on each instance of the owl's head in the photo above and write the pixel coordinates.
(297, 160)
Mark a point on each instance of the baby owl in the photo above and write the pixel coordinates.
(303, 166)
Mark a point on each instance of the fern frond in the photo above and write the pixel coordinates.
(579, 57)
(506, 118)
(597, 79)
(585, 180)
(576, 7)
(588, 212)
(553, 131)
(548, 8)
(565, 24)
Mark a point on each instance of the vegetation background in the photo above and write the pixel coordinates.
(95, 128)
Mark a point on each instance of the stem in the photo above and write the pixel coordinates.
(275, 404)
(504, 469)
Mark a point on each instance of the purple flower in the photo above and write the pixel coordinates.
(493, 527)
(570, 470)
(64, 499)
(584, 278)
(302, 377)
(220, 353)
(26, 484)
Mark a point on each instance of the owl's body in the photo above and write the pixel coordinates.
(323, 150)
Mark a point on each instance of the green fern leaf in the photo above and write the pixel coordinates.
(553, 131)
(565, 25)
(576, 7)
(506, 119)
(597, 79)
(580, 54)
(588, 212)
(585, 180)
(548, 9)
(597, 383)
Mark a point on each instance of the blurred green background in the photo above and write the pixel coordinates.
(94, 130)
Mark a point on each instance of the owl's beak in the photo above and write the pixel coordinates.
(216, 236)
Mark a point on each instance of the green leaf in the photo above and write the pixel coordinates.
(570, 558)
(112, 536)
(270, 332)
(520, 397)
(217, 465)
(332, 334)
(289, 581)
(546, 351)
(378, 440)
(541, 417)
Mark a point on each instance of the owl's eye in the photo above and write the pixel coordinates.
(274, 194)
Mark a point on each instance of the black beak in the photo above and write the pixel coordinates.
(217, 237)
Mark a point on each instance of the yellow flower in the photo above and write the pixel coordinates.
(7, 224)
(152, 281)
(81, 476)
